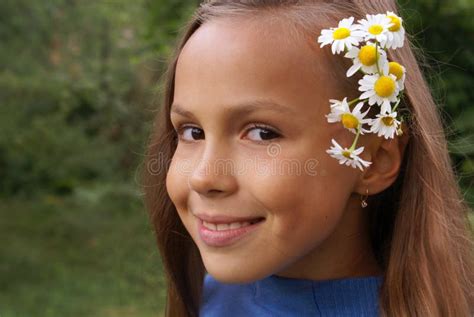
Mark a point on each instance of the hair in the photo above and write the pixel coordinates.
(419, 226)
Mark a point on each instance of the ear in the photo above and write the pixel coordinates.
(387, 157)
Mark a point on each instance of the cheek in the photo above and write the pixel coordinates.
(303, 209)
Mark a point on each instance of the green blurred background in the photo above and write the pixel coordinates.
(78, 82)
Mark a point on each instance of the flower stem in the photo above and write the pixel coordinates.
(396, 105)
(352, 148)
(350, 103)
(398, 101)
(377, 57)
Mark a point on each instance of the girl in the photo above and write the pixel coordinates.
(254, 218)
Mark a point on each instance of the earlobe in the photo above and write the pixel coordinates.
(387, 157)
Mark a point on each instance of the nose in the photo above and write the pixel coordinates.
(214, 173)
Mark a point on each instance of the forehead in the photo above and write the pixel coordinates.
(231, 59)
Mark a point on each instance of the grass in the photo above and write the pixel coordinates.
(92, 254)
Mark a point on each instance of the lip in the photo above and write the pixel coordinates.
(225, 237)
(219, 219)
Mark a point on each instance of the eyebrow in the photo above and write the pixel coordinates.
(242, 108)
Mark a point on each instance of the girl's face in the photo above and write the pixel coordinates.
(249, 106)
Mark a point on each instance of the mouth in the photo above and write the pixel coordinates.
(226, 234)
(224, 219)
(221, 226)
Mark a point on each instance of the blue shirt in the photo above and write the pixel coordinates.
(279, 296)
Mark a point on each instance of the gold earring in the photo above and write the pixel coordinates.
(364, 199)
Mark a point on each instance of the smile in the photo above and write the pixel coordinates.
(227, 226)
(225, 234)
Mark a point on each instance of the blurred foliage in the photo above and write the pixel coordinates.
(444, 33)
(77, 83)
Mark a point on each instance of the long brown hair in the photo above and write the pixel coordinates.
(419, 227)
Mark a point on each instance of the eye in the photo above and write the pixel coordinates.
(190, 133)
(261, 133)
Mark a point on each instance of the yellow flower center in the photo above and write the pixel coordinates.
(349, 121)
(388, 121)
(375, 29)
(347, 154)
(396, 23)
(396, 69)
(367, 55)
(341, 33)
(384, 86)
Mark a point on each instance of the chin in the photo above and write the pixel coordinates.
(225, 277)
(241, 274)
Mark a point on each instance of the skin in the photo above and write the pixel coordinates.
(314, 226)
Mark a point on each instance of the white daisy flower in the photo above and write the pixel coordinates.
(366, 58)
(398, 71)
(351, 120)
(396, 32)
(385, 124)
(375, 27)
(337, 103)
(348, 157)
(381, 89)
(344, 36)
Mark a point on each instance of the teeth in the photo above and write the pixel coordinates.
(225, 226)
(235, 225)
(209, 225)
